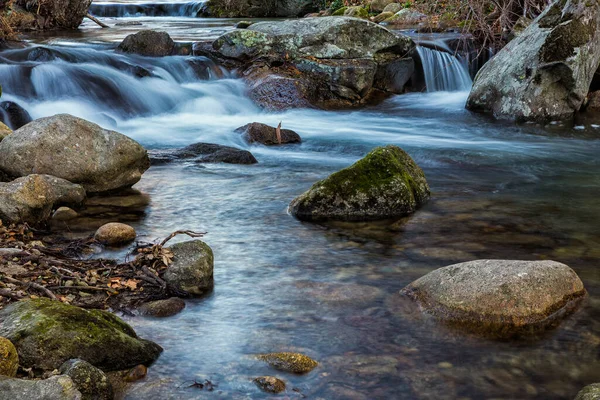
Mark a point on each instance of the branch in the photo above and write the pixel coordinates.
(189, 233)
(96, 20)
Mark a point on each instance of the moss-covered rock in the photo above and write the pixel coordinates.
(356, 12)
(380, 5)
(9, 359)
(340, 12)
(4, 131)
(270, 384)
(191, 273)
(47, 333)
(387, 183)
(289, 362)
(89, 380)
(393, 8)
(383, 16)
(590, 392)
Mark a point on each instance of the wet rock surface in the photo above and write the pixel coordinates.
(162, 308)
(89, 380)
(289, 362)
(204, 153)
(191, 273)
(55, 388)
(256, 132)
(270, 384)
(148, 43)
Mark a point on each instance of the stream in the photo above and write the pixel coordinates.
(330, 290)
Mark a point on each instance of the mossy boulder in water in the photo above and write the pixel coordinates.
(270, 384)
(590, 392)
(191, 273)
(499, 298)
(148, 43)
(9, 359)
(289, 362)
(89, 380)
(387, 183)
(47, 333)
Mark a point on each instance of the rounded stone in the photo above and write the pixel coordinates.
(289, 362)
(9, 359)
(115, 233)
(4, 131)
(89, 380)
(270, 384)
(191, 273)
(267, 135)
(64, 214)
(499, 297)
(148, 43)
(162, 308)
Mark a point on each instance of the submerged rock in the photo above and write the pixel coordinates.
(590, 392)
(89, 380)
(9, 359)
(204, 153)
(191, 273)
(162, 308)
(148, 43)
(387, 183)
(55, 388)
(47, 333)
(545, 73)
(500, 298)
(32, 198)
(267, 135)
(13, 115)
(289, 362)
(115, 233)
(100, 160)
(64, 214)
(270, 384)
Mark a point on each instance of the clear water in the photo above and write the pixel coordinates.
(330, 291)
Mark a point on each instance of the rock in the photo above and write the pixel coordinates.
(519, 26)
(406, 17)
(356, 12)
(270, 384)
(115, 233)
(590, 392)
(32, 198)
(278, 93)
(136, 373)
(64, 214)
(55, 388)
(243, 24)
(394, 75)
(13, 115)
(47, 333)
(593, 103)
(54, 14)
(89, 380)
(289, 362)
(129, 23)
(148, 43)
(265, 134)
(393, 8)
(100, 160)
(545, 73)
(4, 131)
(162, 308)
(386, 183)
(204, 153)
(261, 9)
(9, 359)
(383, 16)
(500, 298)
(337, 293)
(380, 5)
(191, 272)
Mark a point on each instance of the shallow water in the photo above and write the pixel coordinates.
(330, 291)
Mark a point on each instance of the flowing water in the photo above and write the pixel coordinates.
(330, 291)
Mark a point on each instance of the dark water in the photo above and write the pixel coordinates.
(330, 291)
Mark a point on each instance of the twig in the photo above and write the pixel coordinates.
(96, 20)
(34, 285)
(9, 293)
(189, 233)
(94, 288)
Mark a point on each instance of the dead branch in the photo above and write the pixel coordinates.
(189, 233)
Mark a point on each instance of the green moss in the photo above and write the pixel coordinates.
(339, 12)
(289, 362)
(564, 39)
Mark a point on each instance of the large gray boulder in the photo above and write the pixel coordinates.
(55, 388)
(32, 198)
(545, 73)
(327, 62)
(191, 273)
(76, 150)
(385, 184)
(47, 333)
(500, 298)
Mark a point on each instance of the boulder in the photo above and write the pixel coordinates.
(393, 8)
(383, 16)
(406, 17)
(545, 73)
(99, 159)
(89, 380)
(162, 308)
(260, 8)
(13, 115)
(191, 273)
(9, 359)
(593, 103)
(356, 12)
(4, 131)
(270, 384)
(385, 184)
(47, 333)
(267, 135)
(590, 392)
(204, 153)
(115, 233)
(380, 5)
(501, 298)
(53, 14)
(55, 388)
(64, 214)
(289, 362)
(32, 198)
(277, 93)
(148, 43)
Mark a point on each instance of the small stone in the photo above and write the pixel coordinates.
(289, 362)
(135, 374)
(89, 380)
(115, 233)
(270, 384)
(148, 43)
(267, 135)
(191, 272)
(445, 365)
(64, 214)
(243, 24)
(162, 308)
(9, 359)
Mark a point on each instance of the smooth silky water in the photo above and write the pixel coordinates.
(331, 290)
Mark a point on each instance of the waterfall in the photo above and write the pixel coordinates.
(158, 9)
(444, 71)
